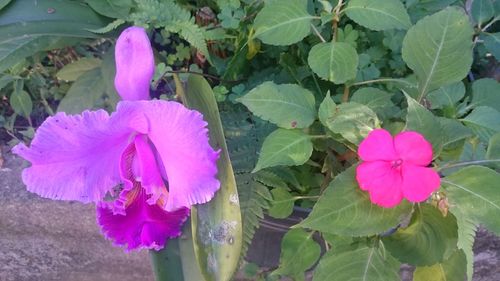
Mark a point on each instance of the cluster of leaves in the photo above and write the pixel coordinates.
(346, 68)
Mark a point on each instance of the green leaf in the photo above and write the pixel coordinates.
(27, 27)
(192, 33)
(492, 43)
(217, 228)
(175, 262)
(486, 92)
(362, 264)
(283, 22)
(429, 238)
(474, 191)
(377, 100)
(454, 268)
(466, 236)
(284, 147)
(421, 120)
(326, 109)
(111, 8)
(439, 49)
(446, 96)
(351, 120)
(55, 18)
(453, 130)
(4, 3)
(344, 209)
(482, 10)
(379, 15)
(282, 204)
(86, 93)
(72, 71)
(483, 120)
(336, 61)
(287, 105)
(21, 103)
(493, 152)
(298, 253)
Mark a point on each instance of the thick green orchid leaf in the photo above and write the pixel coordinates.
(216, 225)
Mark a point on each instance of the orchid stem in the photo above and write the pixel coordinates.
(167, 263)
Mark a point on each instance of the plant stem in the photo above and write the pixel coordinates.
(320, 137)
(490, 23)
(167, 263)
(345, 96)
(317, 33)
(467, 163)
(336, 19)
(383, 80)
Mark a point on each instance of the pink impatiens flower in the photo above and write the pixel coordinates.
(144, 165)
(396, 168)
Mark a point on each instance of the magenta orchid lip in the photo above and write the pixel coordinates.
(156, 152)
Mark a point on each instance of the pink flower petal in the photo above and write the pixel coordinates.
(134, 64)
(74, 157)
(419, 182)
(180, 137)
(381, 181)
(149, 173)
(143, 225)
(413, 148)
(378, 145)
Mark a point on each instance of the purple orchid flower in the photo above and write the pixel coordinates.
(144, 165)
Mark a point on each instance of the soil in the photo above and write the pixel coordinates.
(47, 240)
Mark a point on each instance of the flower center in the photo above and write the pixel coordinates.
(396, 163)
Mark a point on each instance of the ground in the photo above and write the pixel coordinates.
(47, 240)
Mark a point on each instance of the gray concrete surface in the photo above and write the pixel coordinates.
(47, 240)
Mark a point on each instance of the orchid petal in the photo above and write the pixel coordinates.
(381, 181)
(180, 138)
(378, 145)
(149, 173)
(134, 64)
(74, 157)
(143, 225)
(419, 182)
(413, 148)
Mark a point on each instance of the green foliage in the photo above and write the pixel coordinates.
(298, 253)
(492, 42)
(41, 30)
(377, 100)
(353, 121)
(482, 10)
(438, 48)
(21, 102)
(287, 105)
(485, 92)
(447, 96)
(473, 190)
(335, 62)
(72, 71)
(111, 8)
(378, 15)
(483, 120)
(452, 268)
(284, 147)
(428, 239)
(362, 263)
(282, 204)
(217, 255)
(283, 22)
(344, 209)
(421, 120)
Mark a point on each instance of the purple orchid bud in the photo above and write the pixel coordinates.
(134, 64)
